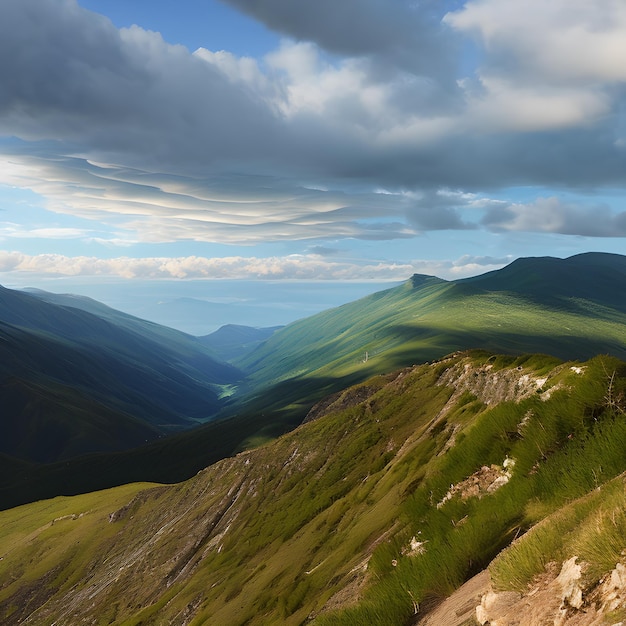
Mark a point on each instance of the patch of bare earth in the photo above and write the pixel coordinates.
(559, 597)
(460, 608)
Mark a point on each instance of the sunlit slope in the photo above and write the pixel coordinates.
(572, 308)
(399, 491)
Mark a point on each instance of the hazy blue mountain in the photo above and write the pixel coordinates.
(234, 341)
(167, 337)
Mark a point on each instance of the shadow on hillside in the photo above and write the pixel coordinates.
(271, 412)
(171, 459)
(423, 344)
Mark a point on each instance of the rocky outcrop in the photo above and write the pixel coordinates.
(563, 599)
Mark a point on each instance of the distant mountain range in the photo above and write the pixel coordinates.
(80, 378)
(234, 341)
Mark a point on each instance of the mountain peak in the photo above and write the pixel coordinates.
(418, 280)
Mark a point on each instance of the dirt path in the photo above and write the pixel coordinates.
(460, 607)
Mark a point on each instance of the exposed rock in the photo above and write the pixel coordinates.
(613, 589)
(557, 600)
(482, 482)
(492, 604)
(569, 580)
(491, 387)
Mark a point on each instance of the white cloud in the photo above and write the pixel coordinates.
(547, 64)
(505, 104)
(17, 231)
(159, 208)
(160, 144)
(560, 40)
(553, 215)
(292, 267)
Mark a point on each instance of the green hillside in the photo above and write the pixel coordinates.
(398, 491)
(571, 308)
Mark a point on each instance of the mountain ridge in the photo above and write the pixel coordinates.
(347, 519)
(504, 310)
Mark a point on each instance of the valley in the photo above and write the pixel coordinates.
(279, 476)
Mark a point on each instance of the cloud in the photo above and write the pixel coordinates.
(547, 64)
(562, 40)
(162, 144)
(309, 267)
(291, 267)
(160, 208)
(402, 33)
(17, 231)
(323, 251)
(552, 215)
(69, 75)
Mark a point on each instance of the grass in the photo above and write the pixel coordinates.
(464, 536)
(592, 527)
(318, 525)
(410, 324)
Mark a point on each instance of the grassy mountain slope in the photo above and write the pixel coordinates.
(90, 323)
(571, 308)
(399, 490)
(179, 344)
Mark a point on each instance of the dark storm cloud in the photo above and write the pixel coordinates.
(69, 74)
(440, 211)
(395, 30)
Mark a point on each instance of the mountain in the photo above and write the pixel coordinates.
(234, 341)
(77, 377)
(593, 277)
(502, 471)
(571, 308)
(179, 343)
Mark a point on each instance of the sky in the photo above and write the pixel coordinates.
(204, 146)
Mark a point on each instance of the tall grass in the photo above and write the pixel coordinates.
(565, 446)
(592, 528)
